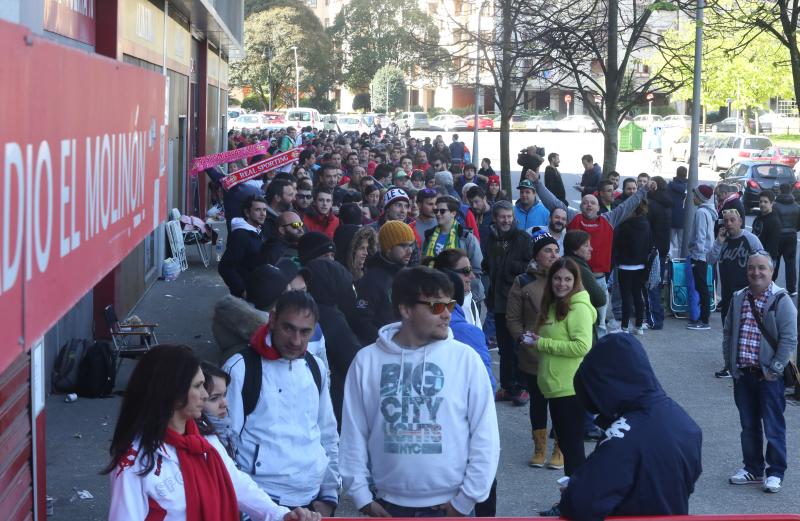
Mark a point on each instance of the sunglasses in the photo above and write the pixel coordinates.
(296, 225)
(466, 270)
(304, 196)
(441, 211)
(437, 308)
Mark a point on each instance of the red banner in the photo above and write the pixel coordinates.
(82, 180)
(260, 168)
(201, 163)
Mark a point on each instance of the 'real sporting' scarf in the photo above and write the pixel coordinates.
(452, 240)
(206, 483)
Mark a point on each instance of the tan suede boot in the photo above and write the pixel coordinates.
(556, 459)
(539, 448)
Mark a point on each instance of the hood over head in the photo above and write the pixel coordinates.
(329, 281)
(342, 239)
(616, 377)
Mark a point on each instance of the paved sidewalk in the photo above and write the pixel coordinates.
(79, 433)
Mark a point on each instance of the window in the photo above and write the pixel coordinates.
(312, 4)
(757, 143)
(774, 172)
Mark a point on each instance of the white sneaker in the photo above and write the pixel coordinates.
(613, 324)
(742, 477)
(772, 484)
(640, 331)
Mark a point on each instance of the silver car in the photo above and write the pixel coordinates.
(448, 122)
(541, 123)
(576, 123)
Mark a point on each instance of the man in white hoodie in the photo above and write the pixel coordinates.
(419, 416)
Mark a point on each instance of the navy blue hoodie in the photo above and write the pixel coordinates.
(650, 459)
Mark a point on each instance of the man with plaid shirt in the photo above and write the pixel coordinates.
(759, 336)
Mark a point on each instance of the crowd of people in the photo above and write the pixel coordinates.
(369, 283)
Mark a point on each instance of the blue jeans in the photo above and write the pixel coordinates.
(654, 296)
(761, 402)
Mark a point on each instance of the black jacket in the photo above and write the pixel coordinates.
(243, 254)
(374, 292)
(331, 285)
(590, 179)
(650, 459)
(659, 215)
(632, 241)
(677, 192)
(554, 183)
(788, 211)
(505, 256)
(768, 230)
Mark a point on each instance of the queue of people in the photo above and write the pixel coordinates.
(369, 283)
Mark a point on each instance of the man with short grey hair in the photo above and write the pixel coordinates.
(757, 343)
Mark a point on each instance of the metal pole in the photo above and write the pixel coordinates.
(387, 93)
(475, 160)
(688, 216)
(296, 79)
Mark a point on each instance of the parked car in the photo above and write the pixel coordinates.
(352, 123)
(679, 149)
(676, 121)
(737, 148)
(731, 124)
(541, 123)
(275, 120)
(303, 117)
(708, 144)
(647, 120)
(781, 155)
(448, 122)
(517, 122)
(484, 122)
(576, 123)
(754, 177)
(413, 121)
(250, 122)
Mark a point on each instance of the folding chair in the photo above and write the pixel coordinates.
(175, 236)
(191, 236)
(123, 335)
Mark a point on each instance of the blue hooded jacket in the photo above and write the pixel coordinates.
(473, 336)
(677, 192)
(649, 461)
(537, 215)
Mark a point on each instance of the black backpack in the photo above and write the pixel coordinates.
(66, 371)
(251, 387)
(98, 371)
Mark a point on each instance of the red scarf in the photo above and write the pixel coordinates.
(206, 482)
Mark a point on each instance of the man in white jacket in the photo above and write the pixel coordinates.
(288, 442)
(419, 416)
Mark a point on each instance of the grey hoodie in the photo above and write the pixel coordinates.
(702, 237)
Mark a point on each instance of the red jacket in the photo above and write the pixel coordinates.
(326, 224)
(602, 234)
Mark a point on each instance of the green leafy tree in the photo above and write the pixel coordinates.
(253, 102)
(269, 66)
(395, 79)
(369, 35)
(361, 101)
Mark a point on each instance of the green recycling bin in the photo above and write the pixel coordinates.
(630, 137)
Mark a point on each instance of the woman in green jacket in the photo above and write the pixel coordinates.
(564, 337)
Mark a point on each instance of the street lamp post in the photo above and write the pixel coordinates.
(475, 121)
(688, 218)
(296, 79)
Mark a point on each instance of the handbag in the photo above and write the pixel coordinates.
(791, 375)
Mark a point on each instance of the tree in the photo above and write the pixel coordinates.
(748, 75)
(361, 101)
(253, 102)
(395, 79)
(269, 66)
(597, 48)
(369, 35)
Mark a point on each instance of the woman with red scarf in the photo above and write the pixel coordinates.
(162, 468)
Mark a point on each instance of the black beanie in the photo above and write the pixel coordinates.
(540, 241)
(313, 245)
(264, 285)
(350, 213)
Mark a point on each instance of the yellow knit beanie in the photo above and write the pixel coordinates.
(393, 233)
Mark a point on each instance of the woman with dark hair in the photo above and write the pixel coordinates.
(215, 419)
(564, 336)
(157, 447)
(632, 243)
(578, 247)
(493, 191)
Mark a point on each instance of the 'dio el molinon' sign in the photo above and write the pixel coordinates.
(82, 177)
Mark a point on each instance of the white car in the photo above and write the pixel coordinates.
(676, 121)
(678, 150)
(448, 122)
(647, 120)
(352, 123)
(576, 123)
(737, 148)
(250, 122)
(541, 123)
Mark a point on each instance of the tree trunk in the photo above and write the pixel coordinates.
(610, 145)
(613, 83)
(507, 100)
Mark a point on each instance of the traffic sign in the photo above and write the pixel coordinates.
(650, 96)
(567, 98)
(598, 98)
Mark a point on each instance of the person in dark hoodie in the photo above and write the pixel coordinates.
(677, 192)
(245, 242)
(354, 244)
(632, 242)
(767, 225)
(789, 211)
(650, 459)
(659, 215)
(396, 242)
(232, 199)
(331, 285)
